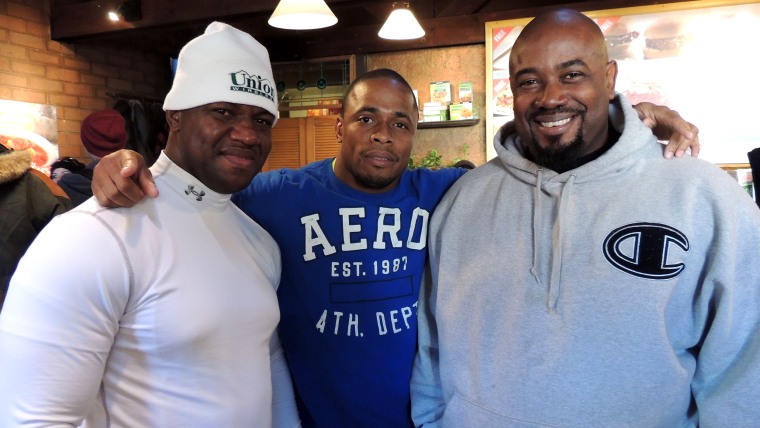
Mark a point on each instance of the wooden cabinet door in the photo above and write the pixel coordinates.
(288, 144)
(320, 137)
(299, 141)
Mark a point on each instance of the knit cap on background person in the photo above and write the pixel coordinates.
(223, 64)
(103, 132)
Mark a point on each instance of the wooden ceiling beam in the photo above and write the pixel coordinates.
(166, 25)
(71, 20)
(460, 7)
(75, 20)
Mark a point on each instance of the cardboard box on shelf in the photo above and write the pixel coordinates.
(468, 112)
(465, 92)
(461, 111)
(455, 111)
(440, 92)
(434, 112)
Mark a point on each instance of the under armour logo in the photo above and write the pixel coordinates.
(198, 195)
(644, 250)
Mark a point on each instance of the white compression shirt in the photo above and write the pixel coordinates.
(156, 315)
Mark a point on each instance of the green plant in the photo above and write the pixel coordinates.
(434, 160)
(430, 160)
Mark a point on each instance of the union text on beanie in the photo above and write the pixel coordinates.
(223, 64)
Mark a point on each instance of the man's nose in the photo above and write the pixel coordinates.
(381, 134)
(246, 130)
(552, 95)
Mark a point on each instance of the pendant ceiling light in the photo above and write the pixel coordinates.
(128, 10)
(401, 24)
(302, 15)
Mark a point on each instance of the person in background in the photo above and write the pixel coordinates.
(464, 163)
(754, 163)
(578, 279)
(102, 132)
(352, 232)
(28, 201)
(163, 314)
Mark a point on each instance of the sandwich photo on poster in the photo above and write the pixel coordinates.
(29, 126)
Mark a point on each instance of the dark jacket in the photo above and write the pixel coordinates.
(78, 184)
(28, 201)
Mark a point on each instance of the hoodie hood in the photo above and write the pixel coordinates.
(510, 150)
(623, 118)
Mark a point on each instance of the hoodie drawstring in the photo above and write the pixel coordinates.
(554, 284)
(564, 200)
(536, 221)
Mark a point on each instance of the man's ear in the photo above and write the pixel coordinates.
(611, 75)
(339, 129)
(173, 119)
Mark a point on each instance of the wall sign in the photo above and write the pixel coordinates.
(698, 58)
(30, 126)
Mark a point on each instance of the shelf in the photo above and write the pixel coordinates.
(310, 107)
(448, 123)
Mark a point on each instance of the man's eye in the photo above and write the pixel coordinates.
(401, 125)
(265, 122)
(528, 83)
(573, 75)
(365, 119)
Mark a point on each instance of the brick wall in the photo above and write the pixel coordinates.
(74, 78)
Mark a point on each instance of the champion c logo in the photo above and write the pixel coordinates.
(642, 249)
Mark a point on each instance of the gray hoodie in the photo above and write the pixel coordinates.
(624, 292)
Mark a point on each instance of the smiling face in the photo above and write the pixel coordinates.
(562, 85)
(376, 132)
(221, 144)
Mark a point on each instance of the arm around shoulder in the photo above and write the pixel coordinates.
(122, 179)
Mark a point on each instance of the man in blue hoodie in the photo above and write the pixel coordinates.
(578, 279)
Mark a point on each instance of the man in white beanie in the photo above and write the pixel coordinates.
(162, 314)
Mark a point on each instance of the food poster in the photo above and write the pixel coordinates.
(696, 60)
(30, 126)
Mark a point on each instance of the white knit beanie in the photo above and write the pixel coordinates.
(223, 64)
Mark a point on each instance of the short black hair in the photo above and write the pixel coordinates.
(380, 73)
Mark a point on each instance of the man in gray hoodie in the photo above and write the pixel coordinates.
(579, 279)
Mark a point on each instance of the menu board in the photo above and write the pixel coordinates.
(695, 57)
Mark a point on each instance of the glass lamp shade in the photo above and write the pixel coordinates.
(401, 25)
(302, 15)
